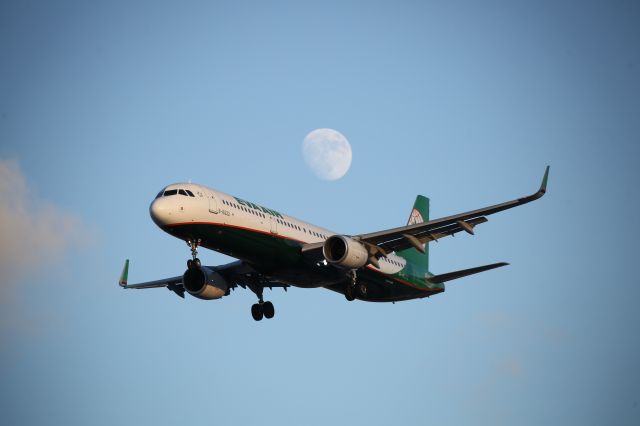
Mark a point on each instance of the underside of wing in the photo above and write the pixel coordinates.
(396, 241)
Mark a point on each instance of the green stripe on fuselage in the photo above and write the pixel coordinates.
(258, 208)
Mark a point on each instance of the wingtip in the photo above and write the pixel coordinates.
(545, 178)
(124, 275)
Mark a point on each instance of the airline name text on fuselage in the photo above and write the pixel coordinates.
(257, 207)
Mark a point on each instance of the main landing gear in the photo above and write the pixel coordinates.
(354, 288)
(194, 262)
(262, 308)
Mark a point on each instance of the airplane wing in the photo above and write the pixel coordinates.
(235, 273)
(384, 242)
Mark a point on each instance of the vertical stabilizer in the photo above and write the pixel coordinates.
(419, 214)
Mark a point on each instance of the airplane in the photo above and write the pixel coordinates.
(277, 250)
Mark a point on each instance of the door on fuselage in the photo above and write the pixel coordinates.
(213, 203)
(273, 224)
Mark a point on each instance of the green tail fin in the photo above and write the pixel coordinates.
(419, 214)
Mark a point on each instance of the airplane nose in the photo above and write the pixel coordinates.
(160, 211)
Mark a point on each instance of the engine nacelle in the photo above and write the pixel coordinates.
(204, 283)
(345, 252)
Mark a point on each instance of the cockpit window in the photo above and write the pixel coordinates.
(181, 192)
(190, 193)
(170, 192)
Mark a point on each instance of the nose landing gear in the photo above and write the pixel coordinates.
(194, 262)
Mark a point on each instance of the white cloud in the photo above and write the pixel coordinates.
(34, 233)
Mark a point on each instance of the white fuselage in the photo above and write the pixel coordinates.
(184, 203)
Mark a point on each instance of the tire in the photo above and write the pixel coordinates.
(189, 264)
(196, 262)
(256, 312)
(268, 310)
(348, 293)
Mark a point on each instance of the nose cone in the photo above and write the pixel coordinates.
(161, 211)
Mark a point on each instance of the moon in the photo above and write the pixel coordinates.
(327, 153)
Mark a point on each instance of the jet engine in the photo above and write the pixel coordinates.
(204, 283)
(345, 252)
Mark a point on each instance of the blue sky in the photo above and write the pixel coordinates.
(104, 103)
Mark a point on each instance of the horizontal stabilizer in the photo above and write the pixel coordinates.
(437, 279)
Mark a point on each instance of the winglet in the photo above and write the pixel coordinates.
(124, 275)
(543, 185)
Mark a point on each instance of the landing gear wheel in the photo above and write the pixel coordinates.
(257, 311)
(194, 262)
(348, 293)
(268, 310)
